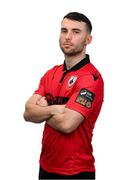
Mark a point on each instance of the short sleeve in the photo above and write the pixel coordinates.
(87, 95)
(41, 87)
(45, 81)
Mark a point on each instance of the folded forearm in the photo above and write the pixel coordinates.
(59, 122)
(37, 114)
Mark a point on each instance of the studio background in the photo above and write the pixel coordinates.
(29, 46)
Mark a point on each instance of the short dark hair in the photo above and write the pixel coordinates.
(79, 17)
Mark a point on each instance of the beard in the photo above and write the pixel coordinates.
(72, 51)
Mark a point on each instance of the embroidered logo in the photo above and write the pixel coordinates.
(85, 98)
(72, 80)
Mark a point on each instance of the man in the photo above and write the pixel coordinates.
(68, 99)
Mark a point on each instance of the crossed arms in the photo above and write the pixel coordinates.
(57, 116)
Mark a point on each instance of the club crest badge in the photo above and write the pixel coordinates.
(72, 80)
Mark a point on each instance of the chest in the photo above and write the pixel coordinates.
(60, 87)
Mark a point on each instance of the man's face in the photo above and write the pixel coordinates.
(73, 37)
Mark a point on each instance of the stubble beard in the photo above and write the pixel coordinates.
(71, 52)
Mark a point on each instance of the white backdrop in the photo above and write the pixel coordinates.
(29, 33)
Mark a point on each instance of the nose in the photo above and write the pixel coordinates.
(68, 36)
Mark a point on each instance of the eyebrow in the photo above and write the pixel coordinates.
(74, 29)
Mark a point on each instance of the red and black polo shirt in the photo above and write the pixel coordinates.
(81, 89)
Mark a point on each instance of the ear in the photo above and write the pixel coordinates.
(88, 39)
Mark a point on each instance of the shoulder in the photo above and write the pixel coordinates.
(52, 70)
(55, 68)
(90, 76)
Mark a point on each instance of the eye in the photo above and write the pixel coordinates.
(76, 32)
(63, 30)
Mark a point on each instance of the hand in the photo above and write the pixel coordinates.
(42, 102)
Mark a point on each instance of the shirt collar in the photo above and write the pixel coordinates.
(79, 65)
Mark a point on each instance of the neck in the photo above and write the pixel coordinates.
(73, 60)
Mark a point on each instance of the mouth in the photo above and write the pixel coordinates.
(67, 44)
